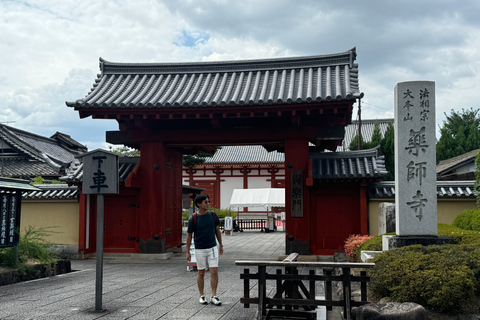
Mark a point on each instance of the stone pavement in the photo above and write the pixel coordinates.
(141, 289)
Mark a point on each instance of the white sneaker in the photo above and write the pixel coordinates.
(202, 300)
(216, 301)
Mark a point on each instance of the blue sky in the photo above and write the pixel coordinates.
(50, 48)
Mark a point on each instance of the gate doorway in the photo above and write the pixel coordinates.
(337, 216)
(120, 224)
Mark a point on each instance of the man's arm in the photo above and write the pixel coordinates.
(218, 233)
(189, 243)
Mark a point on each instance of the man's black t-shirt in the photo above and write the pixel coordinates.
(204, 232)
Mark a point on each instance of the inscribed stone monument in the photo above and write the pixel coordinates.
(415, 158)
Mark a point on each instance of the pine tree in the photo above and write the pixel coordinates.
(376, 136)
(387, 147)
(459, 134)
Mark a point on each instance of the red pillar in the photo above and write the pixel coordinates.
(160, 198)
(297, 231)
(363, 209)
(82, 221)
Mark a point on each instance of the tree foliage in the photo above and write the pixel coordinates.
(374, 141)
(477, 177)
(387, 147)
(187, 159)
(460, 133)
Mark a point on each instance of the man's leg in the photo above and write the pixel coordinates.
(214, 280)
(201, 281)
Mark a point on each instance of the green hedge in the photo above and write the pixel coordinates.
(468, 220)
(440, 278)
(221, 213)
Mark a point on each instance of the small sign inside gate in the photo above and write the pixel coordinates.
(296, 194)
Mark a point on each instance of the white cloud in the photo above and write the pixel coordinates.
(50, 48)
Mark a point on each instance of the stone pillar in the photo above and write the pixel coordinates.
(386, 218)
(415, 159)
(415, 165)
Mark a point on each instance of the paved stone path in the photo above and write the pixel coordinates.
(141, 289)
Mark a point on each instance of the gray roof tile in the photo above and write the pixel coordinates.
(244, 155)
(367, 127)
(52, 192)
(445, 189)
(445, 166)
(31, 154)
(331, 77)
(348, 165)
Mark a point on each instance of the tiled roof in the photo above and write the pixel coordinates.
(30, 154)
(21, 167)
(367, 127)
(347, 165)
(332, 77)
(449, 164)
(52, 192)
(245, 155)
(7, 185)
(445, 189)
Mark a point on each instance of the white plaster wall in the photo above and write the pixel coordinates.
(470, 167)
(226, 189)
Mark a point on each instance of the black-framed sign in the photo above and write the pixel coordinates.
(9, 218)
(296, 194)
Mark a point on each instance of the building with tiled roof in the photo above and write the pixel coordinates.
(280, 81)
(367, 126)
(461, 167)
(25, 154)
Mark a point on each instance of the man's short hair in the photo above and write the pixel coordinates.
(200, 198)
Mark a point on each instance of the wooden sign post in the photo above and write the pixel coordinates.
(100, 176)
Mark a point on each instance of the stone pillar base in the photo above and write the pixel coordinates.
(297, 246)
(402, 241)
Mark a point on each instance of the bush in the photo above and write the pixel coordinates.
(468, 220)
(221, 213)
(32, 245)
(352, 245)
(460, 236)
(436, 277)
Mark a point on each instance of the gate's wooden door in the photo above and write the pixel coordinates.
(337, 216)
(120, 224)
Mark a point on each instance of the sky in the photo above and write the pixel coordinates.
(50, 49)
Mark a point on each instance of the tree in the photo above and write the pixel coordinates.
(387, 147)
(459, 134)
(477, 177)
(374, 141)
(354, 144)
(125, 151)
(376, 136)
(187, 159)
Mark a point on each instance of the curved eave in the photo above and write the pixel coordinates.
(240, 84)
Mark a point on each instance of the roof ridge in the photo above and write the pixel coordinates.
(231, 65)
(20, 144)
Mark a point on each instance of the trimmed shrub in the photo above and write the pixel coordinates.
(441, 278)
(460, 236)
(352, 245)
(468, 220)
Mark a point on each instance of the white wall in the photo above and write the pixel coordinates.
(226, 189)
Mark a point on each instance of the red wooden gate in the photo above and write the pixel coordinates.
(120, 224)
(337, 216)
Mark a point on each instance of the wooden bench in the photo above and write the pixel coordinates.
(292, 298)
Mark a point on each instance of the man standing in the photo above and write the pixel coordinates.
(205, 226)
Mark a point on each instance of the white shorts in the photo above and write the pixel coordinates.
(207, 256)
